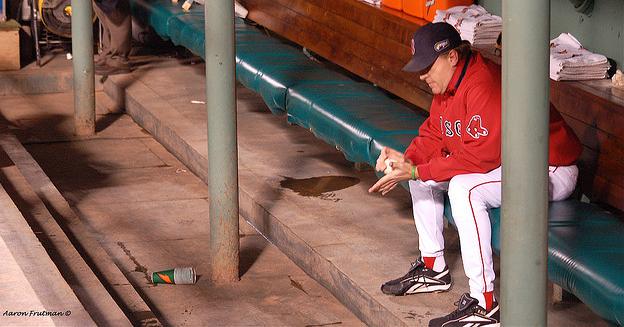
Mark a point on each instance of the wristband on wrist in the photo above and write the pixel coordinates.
(413, 172)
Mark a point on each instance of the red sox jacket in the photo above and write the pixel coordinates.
(463, 132)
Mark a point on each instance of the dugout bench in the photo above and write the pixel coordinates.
(585, 243)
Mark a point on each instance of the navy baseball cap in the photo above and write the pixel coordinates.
(429, 42)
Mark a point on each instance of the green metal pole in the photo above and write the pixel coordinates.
(525, 162)
(222, 150)
(84, 83)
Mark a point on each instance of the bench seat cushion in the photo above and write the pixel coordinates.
(585, 254)
(350, 115)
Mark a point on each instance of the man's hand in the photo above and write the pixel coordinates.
(388, 153)
(402, 171)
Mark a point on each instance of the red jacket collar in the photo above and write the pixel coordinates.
(452, 85)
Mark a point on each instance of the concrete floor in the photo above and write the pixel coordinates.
(150, 212)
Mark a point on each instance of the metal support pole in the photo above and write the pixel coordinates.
(34, 27)
(84, 82)
(222, 150)
(525, 162)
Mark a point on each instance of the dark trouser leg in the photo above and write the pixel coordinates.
(118, 24)
(105, 41)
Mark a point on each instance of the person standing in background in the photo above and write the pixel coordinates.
(116, 21)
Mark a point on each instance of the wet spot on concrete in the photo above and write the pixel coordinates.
(321, 187)
(138, 267)
(186, 312)
(297, 285)
(413, 315)
(327, 324)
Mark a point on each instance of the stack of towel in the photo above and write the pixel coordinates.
(570, 61)
(473, 23)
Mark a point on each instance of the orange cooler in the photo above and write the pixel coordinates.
(414, 7)
(394, 4)
(431, 6)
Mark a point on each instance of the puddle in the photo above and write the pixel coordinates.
(321, 187)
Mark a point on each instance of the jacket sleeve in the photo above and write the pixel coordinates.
(564, 147)
(480, 137)
(428, 143)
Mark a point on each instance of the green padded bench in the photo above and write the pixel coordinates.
(258, 66)
(585, 243)
(350, 116)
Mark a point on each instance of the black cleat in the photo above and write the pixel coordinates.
(469, 313)
(419, 279)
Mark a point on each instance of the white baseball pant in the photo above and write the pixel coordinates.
(471, 195)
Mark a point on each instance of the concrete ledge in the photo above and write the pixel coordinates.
(134, 96)
(55, 78)
(17, 83)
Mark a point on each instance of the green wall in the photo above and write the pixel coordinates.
(602, 31)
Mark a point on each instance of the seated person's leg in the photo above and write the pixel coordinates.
(561, 182)
(428, 208)
(471, 195)
(430, 273)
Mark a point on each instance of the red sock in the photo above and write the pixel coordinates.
(489, 300)
(429, 261)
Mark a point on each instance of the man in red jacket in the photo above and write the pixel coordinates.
(458, 150)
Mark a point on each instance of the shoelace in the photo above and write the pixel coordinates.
(424, 280)
(414, 267)
(414, 272)
(458, 313)
(416, 263)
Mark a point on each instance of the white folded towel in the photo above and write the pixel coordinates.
(473, 23)
(569, 60)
